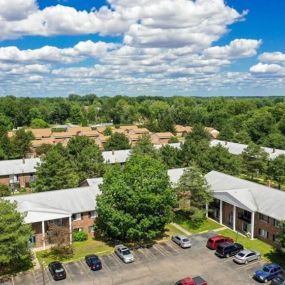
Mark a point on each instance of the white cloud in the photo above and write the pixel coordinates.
(238, 48)
(272, 57)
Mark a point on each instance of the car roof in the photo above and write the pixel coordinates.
(181, 236)
(225, 244)
(56, 264)
(217, 237)
(121, 246)
(186, 281)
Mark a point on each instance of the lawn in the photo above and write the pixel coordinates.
(80, 250)
(170, 230)
(207, 225)
(268, 252)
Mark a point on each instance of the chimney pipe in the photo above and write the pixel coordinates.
(113, 152)
(23, 160)
(273, 150)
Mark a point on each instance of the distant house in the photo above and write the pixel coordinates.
(181, 131)
(18, 173)
(213, 132)
(161, 138)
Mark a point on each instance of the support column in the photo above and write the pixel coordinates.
(252, 225)
(43, 234)
(221, 212)
(70, 230)
(234, 218)
(207, 210)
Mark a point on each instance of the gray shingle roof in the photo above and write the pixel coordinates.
(18, 166)
(56, 204)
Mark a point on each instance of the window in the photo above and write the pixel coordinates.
(92, 214)
(57, 222)
(264, 218)
(14, 178)
(32, 178)
(277, 224)
(76, 217)
(274, 237)
(91, 229)
(263, 233)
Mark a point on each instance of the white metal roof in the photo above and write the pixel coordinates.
(52, 205)
(18, 166)
(238, 148)
(250, 195)
(117, 156)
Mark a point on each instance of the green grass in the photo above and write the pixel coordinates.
(207, 225)
(80, 250)
(170, 230)
(268, 252)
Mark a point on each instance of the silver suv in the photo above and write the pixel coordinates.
(182, 241)
(124, 253)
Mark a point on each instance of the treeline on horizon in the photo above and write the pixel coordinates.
(239, 119)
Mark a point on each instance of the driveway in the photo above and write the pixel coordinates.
(162, 264)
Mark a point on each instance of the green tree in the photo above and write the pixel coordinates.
(4, 190)
(39, 123)
(5, 144)
(242, 137)
(136, 201)
(21, 143)
(14, 236)
(275, 140)
(86, 157)
(221, 160)
(255, 160)
(108, 131)
(117, 141)
(145, 146)
(170, 156)
(194, 187)
(276, 170)
(56, 171)
(6, 122)
(76, 115)
(281, 236)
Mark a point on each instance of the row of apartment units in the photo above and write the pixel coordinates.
(51, 136)
(21, 172)
(246, 207)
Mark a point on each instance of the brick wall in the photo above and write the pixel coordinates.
(84, 224)
(4, 180)
(24, 180)
(269, 227)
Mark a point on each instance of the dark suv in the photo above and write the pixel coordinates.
(228, 249)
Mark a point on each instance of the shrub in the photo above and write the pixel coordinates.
(80, 236)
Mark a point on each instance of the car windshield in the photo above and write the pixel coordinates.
(126, 252)
(94, 259)
(266, 269)
(185, 240)
(59, 270)
(241, 254)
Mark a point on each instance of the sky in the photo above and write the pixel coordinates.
(142, 47)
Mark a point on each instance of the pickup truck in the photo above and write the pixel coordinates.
(192, 281)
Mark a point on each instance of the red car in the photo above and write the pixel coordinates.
(192, 281)
(213, 242)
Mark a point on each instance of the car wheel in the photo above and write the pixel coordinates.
(246, 262)
(265, 280)
(228, 255)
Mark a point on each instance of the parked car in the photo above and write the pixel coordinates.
(192, 281)
(279, 280)
(124, 253)
(182, 241)
(268, 272)
(93, 262)
(56, 270)
(228, 249)
(214, 241)
(246, 256)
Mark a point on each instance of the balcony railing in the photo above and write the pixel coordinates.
(244, 217)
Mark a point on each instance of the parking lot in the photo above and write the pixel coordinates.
(162, 264)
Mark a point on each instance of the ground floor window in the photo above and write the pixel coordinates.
(246, 227)
(32, 241)
(263, 233)
(91, 229)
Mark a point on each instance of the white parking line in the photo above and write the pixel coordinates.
(243, 266)
(161, 250)
(68, 275)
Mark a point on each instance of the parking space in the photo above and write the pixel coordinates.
(162, 264)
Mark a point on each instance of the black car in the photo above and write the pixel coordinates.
(279, 280)
(93, 262)
(56, 270)
(228, 249)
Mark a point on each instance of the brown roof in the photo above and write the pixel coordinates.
(100, 129)
(130, 127)
(213, 132)
(139, 131)
(165, 135)
(90, 133)
(62, 135)
(182, 129)
(37, 143)
(41, 133)
(76, 130)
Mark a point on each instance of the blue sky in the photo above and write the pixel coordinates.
(142, 47)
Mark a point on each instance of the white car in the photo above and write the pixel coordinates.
(124, 253)
(182, 241)
(246, 256)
